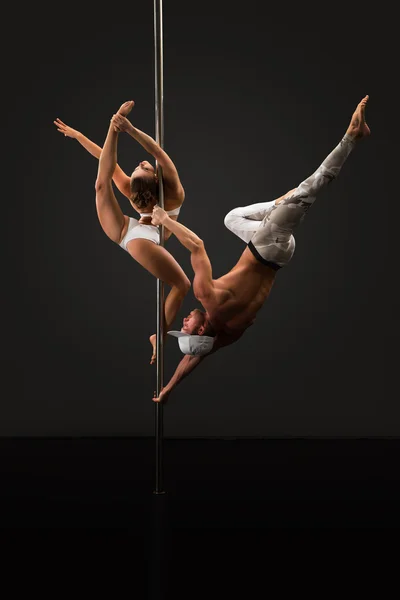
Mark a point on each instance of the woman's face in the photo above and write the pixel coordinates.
(144, 169)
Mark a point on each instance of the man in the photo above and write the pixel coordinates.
(232, 301)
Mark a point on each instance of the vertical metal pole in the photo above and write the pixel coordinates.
(159, 119)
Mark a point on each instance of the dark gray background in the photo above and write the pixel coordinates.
(255, 97)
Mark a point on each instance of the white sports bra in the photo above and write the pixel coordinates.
(171, 213)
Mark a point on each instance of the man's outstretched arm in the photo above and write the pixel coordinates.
(203, 284)
(186, 366)
(190, 362)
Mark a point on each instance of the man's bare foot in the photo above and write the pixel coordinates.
(358, 127)
(153, 342)
(126, 108)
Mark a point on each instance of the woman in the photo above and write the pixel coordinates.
(139, 238)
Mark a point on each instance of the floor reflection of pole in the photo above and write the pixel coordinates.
(159, 118)
(159, 555)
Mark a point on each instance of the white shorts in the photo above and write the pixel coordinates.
(137, 231)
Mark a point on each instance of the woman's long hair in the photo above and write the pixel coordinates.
(144, 191)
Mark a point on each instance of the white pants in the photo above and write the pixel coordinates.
(268, 228)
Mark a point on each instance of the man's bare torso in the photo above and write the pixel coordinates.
(239, 295)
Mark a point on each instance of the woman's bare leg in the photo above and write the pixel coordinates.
(160, 263)
(173, 302)
(109, 212)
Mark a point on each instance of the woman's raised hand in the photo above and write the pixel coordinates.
(120, 122)
(63, 128)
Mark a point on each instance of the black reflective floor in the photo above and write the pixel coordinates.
(247, 484)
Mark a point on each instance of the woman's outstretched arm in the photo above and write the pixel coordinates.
(121, 179)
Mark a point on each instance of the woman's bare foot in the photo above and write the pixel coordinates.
(358, 127)
(126, 108)
(153, 342)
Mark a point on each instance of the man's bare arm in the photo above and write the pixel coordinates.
(203, 285)
(186, 366)
(189, 363)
